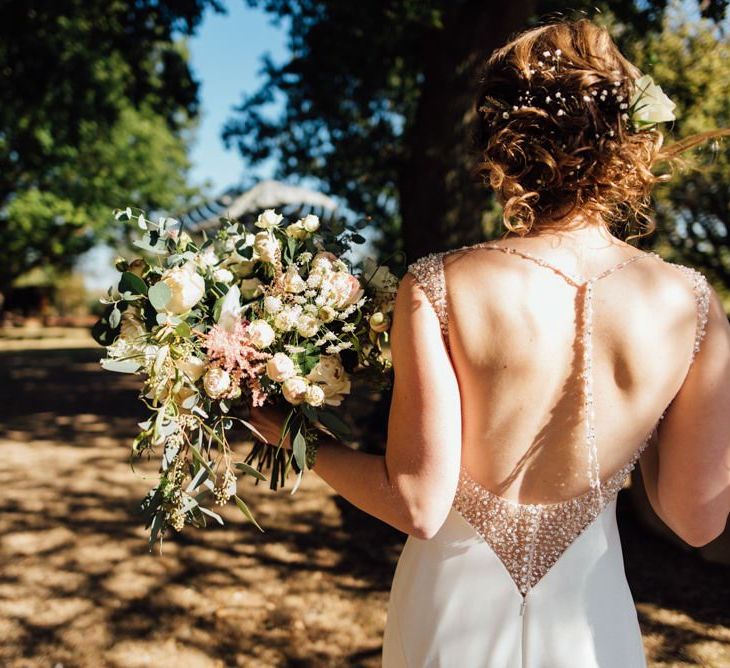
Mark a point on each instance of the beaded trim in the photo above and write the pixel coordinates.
(701, 289)
(429, 274)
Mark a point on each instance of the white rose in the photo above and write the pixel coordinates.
(307, 325)
(296, 230)
(343, 289)
(294, 389)
(331, 375)
(266, 246)
(268, 219)
(261, 333)
(315, 395)
(652, 103)
(287, 318)
(272, 304)
(208, 258)
(187, 288)
(292, 281)
(280, 367)
(193, 367)
(216, 382)
(379, 322)
(310, 223)
(222, 275)
(251, 287)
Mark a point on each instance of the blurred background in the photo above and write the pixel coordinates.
(203, 108)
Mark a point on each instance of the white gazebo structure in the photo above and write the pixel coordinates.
(268, 194)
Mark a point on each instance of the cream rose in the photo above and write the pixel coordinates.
(310, 223)
(193, 367)
(216, 382)
(251, 288)
(296, 230)
(280, 367)
(332, 377)
(323, 260)
(379, 322)
(187, 288)
(269, 219)
(266, 246)
(222, 275)
(261, 333)
(294, 389)
(343, 289)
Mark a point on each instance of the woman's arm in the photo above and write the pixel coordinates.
(412, 486)
(686, 466)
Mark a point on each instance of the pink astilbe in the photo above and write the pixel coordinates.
(232, 349)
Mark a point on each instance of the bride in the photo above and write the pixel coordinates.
(532, 373)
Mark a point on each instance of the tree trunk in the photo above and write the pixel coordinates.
(440, 203)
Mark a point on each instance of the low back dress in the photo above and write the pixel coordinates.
(504, 584)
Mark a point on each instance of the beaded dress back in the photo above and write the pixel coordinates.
(530, 538)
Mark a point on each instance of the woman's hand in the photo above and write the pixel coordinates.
(268, 421)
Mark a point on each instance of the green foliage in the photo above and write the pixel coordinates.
(98, 103)
(691, 60)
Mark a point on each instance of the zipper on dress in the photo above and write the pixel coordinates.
(523, 605)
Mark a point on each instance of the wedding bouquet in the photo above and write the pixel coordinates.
(256, 314)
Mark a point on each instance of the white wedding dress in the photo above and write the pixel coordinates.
(504, 584)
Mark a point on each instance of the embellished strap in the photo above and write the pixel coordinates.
(429, 274)
(701, 288)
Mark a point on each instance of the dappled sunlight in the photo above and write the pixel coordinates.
(79, 586)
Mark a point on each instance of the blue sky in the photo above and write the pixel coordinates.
(225, 58)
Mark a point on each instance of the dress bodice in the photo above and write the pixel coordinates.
(530, 538)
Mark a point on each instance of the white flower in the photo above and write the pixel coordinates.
(294, 389)
(287, 318)
(310, 223)
(348, 327)
(280, 367)
(331, 375)
(649, 103)
(266, 246)
(315, 395)
(326, 313)
(296, 230)
(323, 260)
(307, 325)
(187, 288)
(292, 281)
(230, 308)
(208, 258)
(251, 288)
(216, 382)
(272, 304)
(379, 322)
(261, 333)
(222, 275)
(269, 219)
(193, 367)
(342, 289)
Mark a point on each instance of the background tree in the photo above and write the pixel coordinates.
(98, 103)
(378, 103)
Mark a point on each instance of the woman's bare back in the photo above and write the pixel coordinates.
(515, 331)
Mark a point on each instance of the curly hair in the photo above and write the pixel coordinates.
(554, 134)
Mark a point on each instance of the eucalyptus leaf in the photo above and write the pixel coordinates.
(245, 510)
(335, 424)
(250, 470)
(132, 283)
(210, 513)
(115, 317)
(299, 448)
(159, 295)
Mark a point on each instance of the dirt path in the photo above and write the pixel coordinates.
(79, 588)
